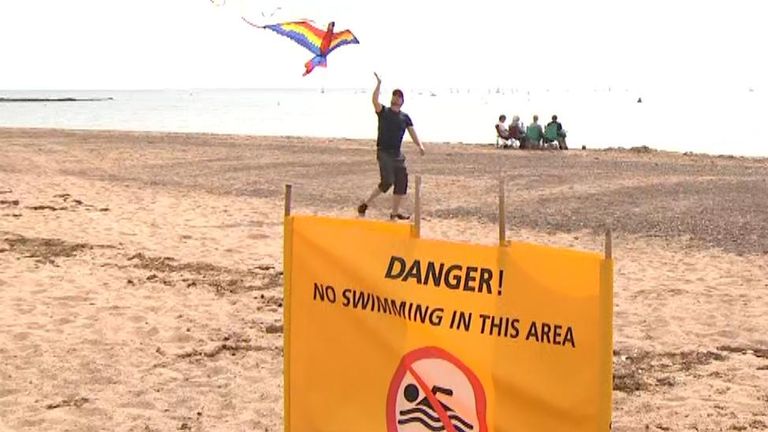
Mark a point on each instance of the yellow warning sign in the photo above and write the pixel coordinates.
(388, 332)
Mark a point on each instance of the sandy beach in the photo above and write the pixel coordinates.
(141, 273)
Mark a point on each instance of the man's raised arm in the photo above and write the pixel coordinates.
(375, 98)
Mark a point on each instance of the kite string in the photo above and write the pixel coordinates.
(242, 12)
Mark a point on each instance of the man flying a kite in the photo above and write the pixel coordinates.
(318, 42)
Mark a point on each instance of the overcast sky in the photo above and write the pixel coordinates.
(136, 44)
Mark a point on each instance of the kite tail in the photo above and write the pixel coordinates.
(317, 60)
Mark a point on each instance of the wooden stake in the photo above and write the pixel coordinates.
(608, 245)
(288, 190)
(502, 214)
(417, 209)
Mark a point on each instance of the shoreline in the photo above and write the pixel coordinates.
(644, 149)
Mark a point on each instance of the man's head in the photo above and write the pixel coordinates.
(502, 118)
(397, 98)
(535, 118)
(554, 118)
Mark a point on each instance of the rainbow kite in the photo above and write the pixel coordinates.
(318, 42)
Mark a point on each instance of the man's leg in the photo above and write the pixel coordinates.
(396, 200)
(364, 206)
(386, 180)
(374, 194)
(401, 188)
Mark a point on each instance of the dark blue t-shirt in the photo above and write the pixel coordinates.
(392, 127)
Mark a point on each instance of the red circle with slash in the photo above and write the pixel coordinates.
(433, 389)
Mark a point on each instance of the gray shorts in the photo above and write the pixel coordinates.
(392, 171)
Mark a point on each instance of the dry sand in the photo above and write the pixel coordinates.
(141, 273)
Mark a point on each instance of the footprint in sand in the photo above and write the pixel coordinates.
(71, 299)
(180, 336)
(137, 319)
(139, 402)
(59, 322)
(727, 334)
(150, 333)
(22, 336)
(34, 326)
(32, 423)
(7, 392)
(24, 307)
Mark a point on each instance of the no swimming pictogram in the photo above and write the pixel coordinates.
(433, 390)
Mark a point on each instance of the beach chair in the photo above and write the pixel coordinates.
(534, 136)
(551, 138)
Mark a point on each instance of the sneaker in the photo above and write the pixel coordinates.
(361, 209)
(398, 216)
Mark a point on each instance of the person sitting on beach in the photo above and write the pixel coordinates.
(534, 134)
(516, 131)
(502, 133)
(554, 133)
